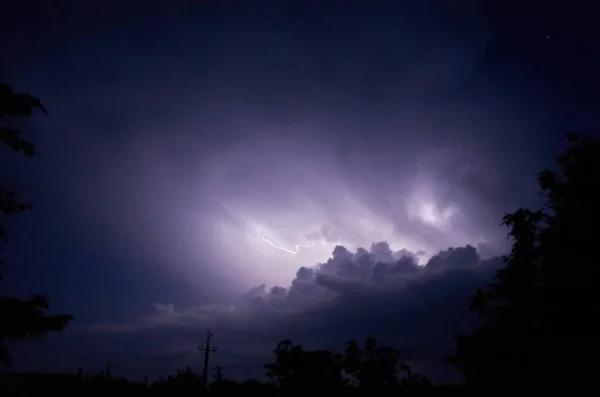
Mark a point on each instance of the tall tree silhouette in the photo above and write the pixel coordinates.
(374, 367)
(298, 371)
(19, 318)
(12, 106)
(371, 369)
(540, 315)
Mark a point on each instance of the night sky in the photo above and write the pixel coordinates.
(318, 170)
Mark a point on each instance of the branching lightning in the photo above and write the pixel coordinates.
(266, 240)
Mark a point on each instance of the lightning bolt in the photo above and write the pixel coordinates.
(272, 244)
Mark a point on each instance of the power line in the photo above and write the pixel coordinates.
(207, 349)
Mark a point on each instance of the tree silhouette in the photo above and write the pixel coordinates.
(12, 106)
(413, 381)
(222, 386)
(184, 382)
(296, 370)
(19, 318)
(540, 316)
(373, 368)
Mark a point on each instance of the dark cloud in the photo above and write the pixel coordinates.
(174, 132)
(352, 295)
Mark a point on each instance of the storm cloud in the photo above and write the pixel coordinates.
(193, 153)
(352, 295)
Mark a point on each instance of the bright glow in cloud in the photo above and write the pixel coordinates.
(240, 215)
(422, 206)
(300, 229)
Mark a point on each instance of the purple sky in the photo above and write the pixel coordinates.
(195, 157)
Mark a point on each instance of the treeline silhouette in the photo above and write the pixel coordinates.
(372, 368)
(538, 325)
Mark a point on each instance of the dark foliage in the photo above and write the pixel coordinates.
(539, 316)
(374, 369)
(299, 370)
(12, 107)
(184, 382)
(20, 318)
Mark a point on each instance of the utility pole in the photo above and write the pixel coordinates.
(109, 367)
(207, 349)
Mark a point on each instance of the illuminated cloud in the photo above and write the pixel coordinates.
(185, 182)
(166, 147)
